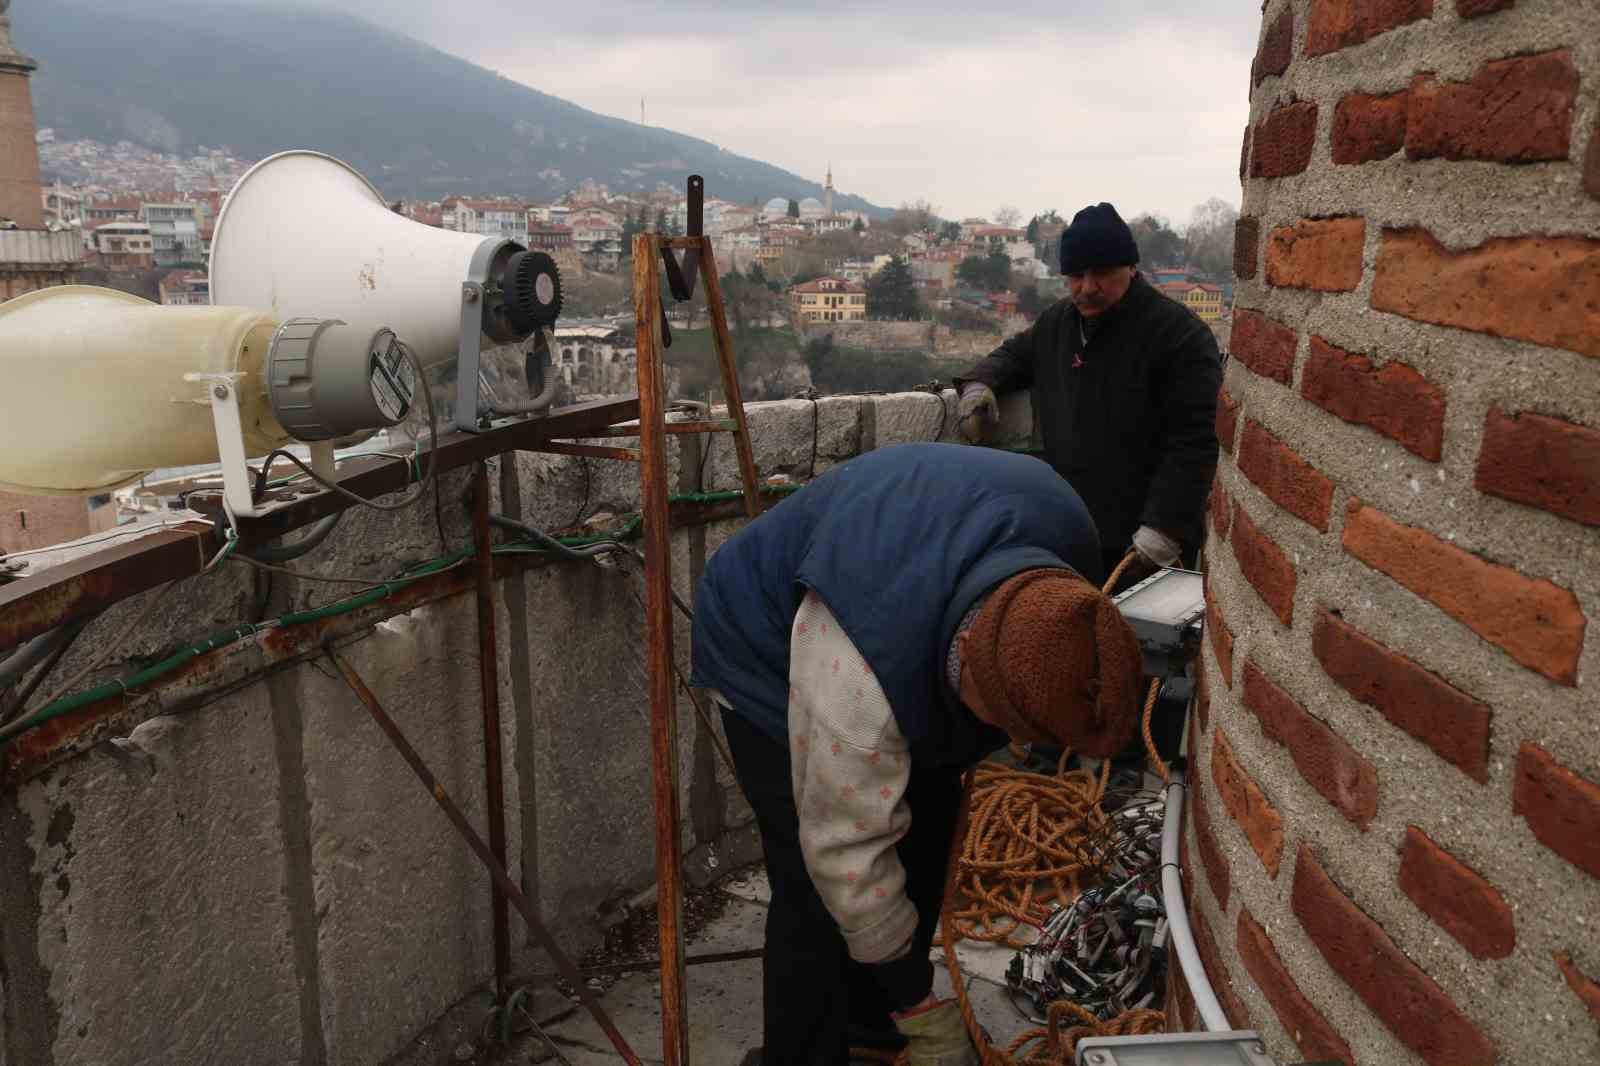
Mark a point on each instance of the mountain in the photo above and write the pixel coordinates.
(418, 122)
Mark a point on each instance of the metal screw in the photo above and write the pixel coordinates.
(220, 392)
(1097, 1057)
(1259, 1048)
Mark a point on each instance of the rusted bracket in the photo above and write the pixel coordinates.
(34, 604)
(502, 880)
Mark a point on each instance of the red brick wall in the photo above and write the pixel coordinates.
(40, 521)
(1398, 795)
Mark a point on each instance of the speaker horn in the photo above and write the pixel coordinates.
(305, 235)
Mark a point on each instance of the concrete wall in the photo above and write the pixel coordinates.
(253, 875)
(1400, 768)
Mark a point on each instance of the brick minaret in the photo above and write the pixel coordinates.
(1398, 803)
(19, 154)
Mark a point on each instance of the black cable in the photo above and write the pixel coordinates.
(586, 553)
(13, 706)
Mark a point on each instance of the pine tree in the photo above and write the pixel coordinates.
(892, 294)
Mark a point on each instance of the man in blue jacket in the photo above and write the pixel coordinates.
(869, 638)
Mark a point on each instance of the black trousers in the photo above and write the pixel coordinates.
(816, 1000)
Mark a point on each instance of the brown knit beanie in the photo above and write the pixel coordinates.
(1056, 663)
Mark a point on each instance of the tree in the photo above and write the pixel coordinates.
(858, 227)
(892, 294)
(1029, 302)
(1032, 233)
(794, 209)
(991, 273)
(1007, 216)
(835, 370)
(630, 229)
(950, 232)
(912, 218)
(1159, 244)
(1208, 241)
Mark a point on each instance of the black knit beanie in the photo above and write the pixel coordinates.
(1097, 238)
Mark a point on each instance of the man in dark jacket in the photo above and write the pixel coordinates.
(1125, 384)
(867, 641)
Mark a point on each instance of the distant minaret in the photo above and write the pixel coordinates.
(827, 193)
(19, 164)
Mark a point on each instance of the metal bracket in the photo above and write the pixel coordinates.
(469, 350)
(223, 393)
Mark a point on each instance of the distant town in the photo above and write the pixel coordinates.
(144, 215)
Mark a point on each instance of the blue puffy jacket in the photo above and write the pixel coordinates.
(899, 543)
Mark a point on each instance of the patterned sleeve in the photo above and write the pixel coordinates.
(851, 766)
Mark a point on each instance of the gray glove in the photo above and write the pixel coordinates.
(1155, 547)
(978, 412)
(937, 1036)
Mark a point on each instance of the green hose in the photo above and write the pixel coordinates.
(68, 704)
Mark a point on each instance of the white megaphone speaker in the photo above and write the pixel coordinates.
(304, 234)
(102, 387)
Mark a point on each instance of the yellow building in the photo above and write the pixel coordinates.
(1203, 298)
(828, 299)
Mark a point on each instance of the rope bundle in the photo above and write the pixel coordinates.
(1024, 848)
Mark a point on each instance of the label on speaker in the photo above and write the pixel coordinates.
(394, 379)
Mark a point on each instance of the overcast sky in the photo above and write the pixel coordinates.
(968, 105)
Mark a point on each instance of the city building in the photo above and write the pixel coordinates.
(116, 209)
(1203, 298)
(62, 207)
(506, 219)
(594, 358)
(859, 270)
(549, 236)
(186, 288)
(122, 245)
(175, 232)
(828, 299)
(778, 238)
(597, 238)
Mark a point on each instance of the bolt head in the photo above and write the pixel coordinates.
(1097, 1056)
(1259, 1048)
(220, 392)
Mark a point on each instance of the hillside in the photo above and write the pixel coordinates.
(419, 122)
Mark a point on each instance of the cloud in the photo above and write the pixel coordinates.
(1037, 104)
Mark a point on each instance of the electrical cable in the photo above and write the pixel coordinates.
(121, 531)
(59, 705)
(113, 645)
(588, 552)
(283, 553)
(13, 705)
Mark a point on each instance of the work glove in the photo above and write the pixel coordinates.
(978, 412)
(1156, 548)
(936, 1036)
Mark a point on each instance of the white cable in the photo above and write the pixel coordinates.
(1194, 972)
(121, 531)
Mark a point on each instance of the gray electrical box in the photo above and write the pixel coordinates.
(1238, 1048)
(327, 379)
(1165, 611)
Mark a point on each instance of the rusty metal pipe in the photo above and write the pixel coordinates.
(502, 880)
(489, 681)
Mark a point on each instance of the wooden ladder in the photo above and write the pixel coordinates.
(650, 257)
